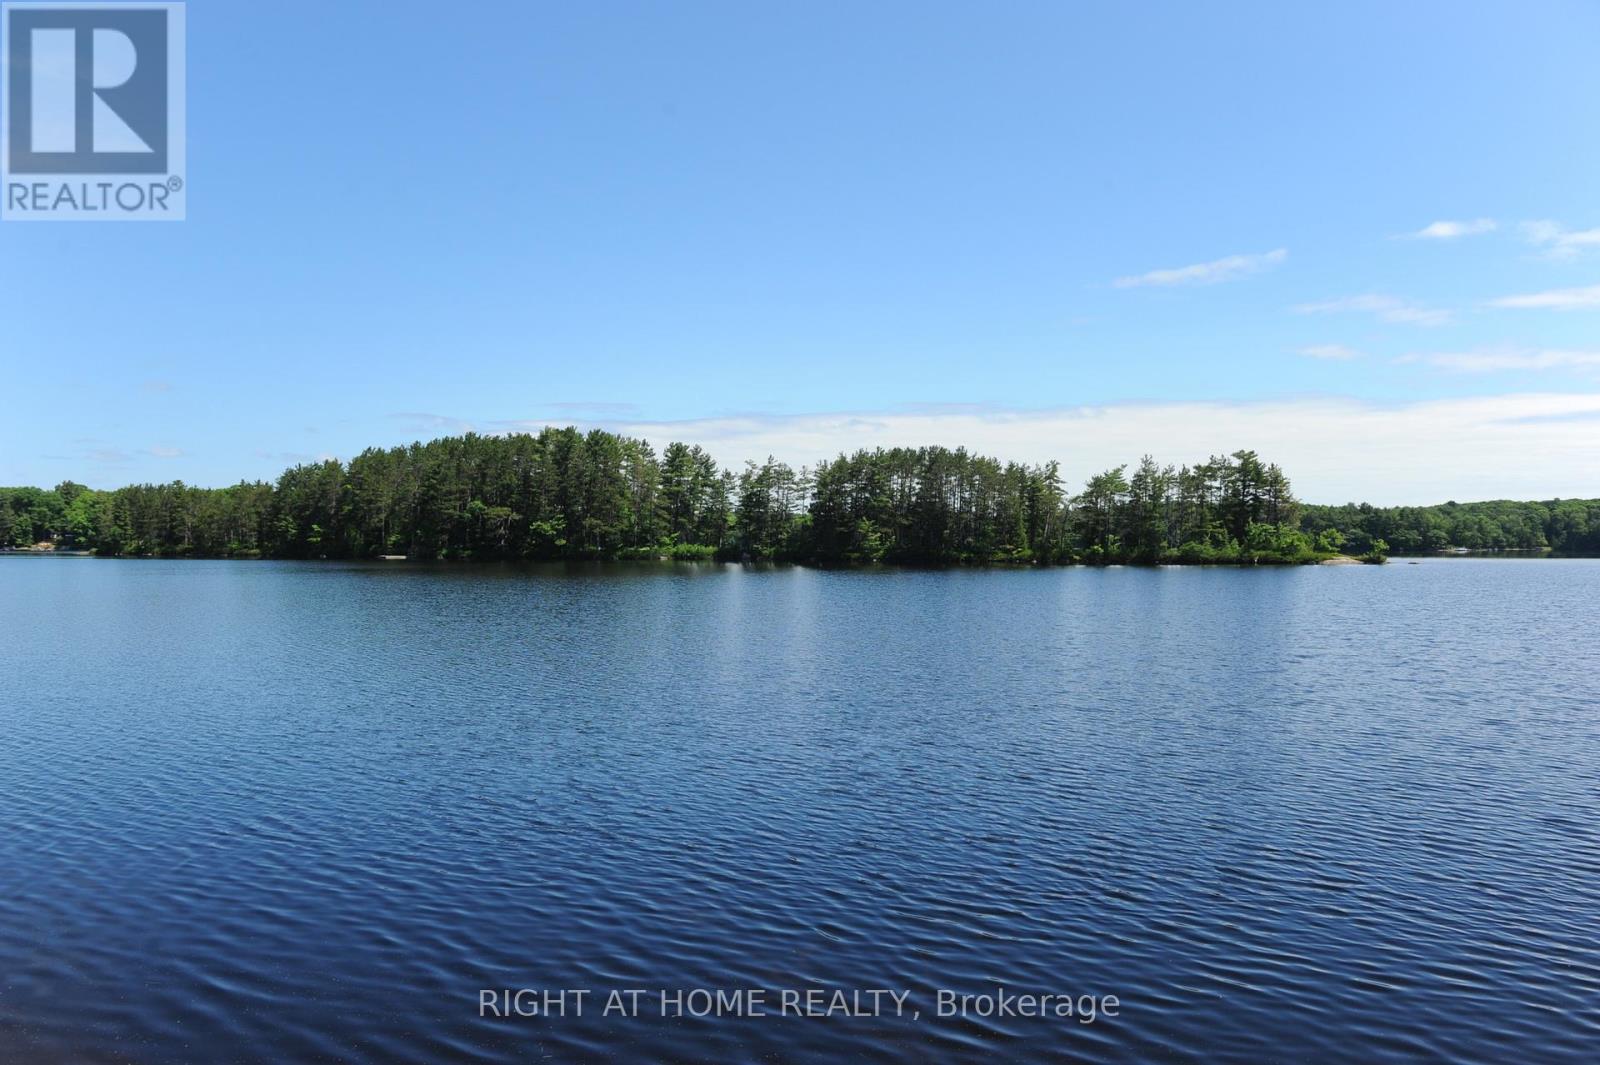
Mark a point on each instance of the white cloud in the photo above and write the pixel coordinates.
(1498, 359)
(1386, 308)
(1561, 299)
(1330, 351)
(1523, 446)
(1452, 230)
(1229, 269)
(1559, 241)
(161, 452)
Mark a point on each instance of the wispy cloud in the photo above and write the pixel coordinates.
(294, 458)
(155, 387)
(1446, 230)
(1386, 308)
(1568, 416)
(1230, 268)
(1558, 241)
(423, 422)
(581, 410)
(596, 409)
(1329, 351)
(1335, 449)
(1560, 299)
(161, 452)
(1494, 360)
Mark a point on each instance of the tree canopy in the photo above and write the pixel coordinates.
(564, 493)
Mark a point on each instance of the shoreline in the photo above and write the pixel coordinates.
(656, 560)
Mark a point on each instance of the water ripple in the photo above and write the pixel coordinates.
(301, 812)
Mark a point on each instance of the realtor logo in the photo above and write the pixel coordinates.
(93, 111)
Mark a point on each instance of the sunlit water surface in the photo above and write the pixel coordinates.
(305, 812)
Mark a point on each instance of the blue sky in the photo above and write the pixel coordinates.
(1038, 229)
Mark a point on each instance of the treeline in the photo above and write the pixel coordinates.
(1564, 526)
(568, 494)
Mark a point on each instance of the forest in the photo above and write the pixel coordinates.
(1561, 526)
(564, 493)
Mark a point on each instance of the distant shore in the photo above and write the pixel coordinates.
(1328, 560)
(569, 494)
(67, 552)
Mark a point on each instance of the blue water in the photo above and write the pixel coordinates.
(306, 812)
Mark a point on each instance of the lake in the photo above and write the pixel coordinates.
(269, 811)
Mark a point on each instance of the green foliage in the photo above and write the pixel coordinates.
(691, 552)
(562, 493)
(936, 506)
(1570, 526)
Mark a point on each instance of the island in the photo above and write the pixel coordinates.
(564, 493)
